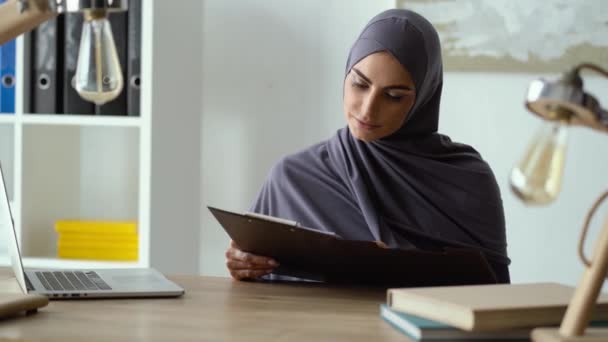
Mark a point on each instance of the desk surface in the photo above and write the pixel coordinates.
(213, 309)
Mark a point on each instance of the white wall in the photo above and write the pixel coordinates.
(272, 84)
(486, 110)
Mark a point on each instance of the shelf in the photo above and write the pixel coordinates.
(94, 173)
(7, 156)
(60, 166)
(80, 120)
(7, 118)
(53, 263)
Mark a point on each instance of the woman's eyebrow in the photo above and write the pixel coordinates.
(399, 86)
(362, 76)
(396, 86)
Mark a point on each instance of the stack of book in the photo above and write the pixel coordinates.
(481, 312)
(97, 240)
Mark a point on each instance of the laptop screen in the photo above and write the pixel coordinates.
(7, 225)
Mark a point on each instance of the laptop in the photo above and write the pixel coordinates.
(84, 283)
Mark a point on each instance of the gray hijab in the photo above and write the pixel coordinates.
(413, 189)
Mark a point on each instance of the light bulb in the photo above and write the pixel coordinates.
(98, 75)
(538, 176)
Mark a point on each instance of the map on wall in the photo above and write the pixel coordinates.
(517, 35)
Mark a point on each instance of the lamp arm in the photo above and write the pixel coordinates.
(593, 67)
(585, 296)
(581, 241)
(19, 16)
(603, 113)
(574, 77)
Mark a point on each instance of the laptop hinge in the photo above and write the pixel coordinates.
(28, 284)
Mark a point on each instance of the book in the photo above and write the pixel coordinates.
(422, 329)
(490, 307)
(95, 244)
(97, 254)
(116, 228)
(78, 238)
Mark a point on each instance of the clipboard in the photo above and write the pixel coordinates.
(312, 254)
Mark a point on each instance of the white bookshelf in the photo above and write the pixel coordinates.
(145, 168)
(6, 119)
(80, 120)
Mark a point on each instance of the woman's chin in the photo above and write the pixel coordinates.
(363, 136)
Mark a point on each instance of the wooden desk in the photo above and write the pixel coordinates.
(213, 309)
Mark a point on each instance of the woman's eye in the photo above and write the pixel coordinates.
(394, 97)
(359, 85)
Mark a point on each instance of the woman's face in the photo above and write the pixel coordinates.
(378, 95)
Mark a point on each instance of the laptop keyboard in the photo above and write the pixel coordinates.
(71, 281)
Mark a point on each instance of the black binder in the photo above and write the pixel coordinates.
(134, 57)
(45, 82)
(308, 253)
(118, 106)
(72, 102)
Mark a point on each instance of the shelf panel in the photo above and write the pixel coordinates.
(94, 173)
(7, 118)
(81, 120)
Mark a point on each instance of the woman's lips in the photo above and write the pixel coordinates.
(364, 125)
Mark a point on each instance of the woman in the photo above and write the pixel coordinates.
(388, 176)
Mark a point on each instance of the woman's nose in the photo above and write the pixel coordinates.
(370, 106)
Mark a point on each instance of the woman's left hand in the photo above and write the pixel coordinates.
(381, 244)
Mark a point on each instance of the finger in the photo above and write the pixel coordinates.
(249, 274)
(252, 274)
(231, 253)
(381, 244)
(240, 265)
(237, 254)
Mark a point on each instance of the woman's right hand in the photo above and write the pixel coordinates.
(243, 265)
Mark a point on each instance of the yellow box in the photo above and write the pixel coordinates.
(98, 254)
(96, 227)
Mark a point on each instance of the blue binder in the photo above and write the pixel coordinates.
(7, 77)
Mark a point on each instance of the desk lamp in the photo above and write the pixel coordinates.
(98, 76)
(537, 178)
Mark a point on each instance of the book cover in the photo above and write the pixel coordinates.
(93, 254)
(421, 329)
(94, 244)
(99, 238)
(490, 307)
